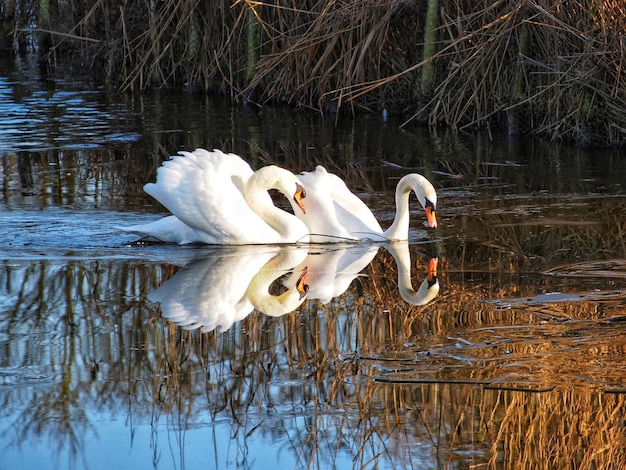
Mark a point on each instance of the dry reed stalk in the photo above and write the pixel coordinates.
(538, 67)
(313, 50)
(569, 81)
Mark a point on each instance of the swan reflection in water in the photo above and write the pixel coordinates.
(224, 288)
(217, 291)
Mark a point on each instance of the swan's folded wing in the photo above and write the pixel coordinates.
(352, 212)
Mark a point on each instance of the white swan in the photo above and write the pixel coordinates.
(278, 305)
(216, 198)
(334, 213)
(331, 270)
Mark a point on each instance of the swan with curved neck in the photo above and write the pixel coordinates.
(216, 198)
(336, 214)
(223, 288)
(287, 227)
(331, 270)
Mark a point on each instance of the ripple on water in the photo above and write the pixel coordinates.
(60, 233)
(32, 119)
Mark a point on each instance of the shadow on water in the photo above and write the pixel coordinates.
(160, 356)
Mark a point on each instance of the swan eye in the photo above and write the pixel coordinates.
(300, 189)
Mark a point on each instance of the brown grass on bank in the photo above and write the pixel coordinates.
(554, 69)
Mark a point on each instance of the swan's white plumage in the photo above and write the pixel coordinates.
(332, 270)
(217, 198)
(335, 213)
(276, 305)
(223, 288)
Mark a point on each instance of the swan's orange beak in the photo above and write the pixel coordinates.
(432, 268)
(299, 196)
(301, 285)
(431, 217)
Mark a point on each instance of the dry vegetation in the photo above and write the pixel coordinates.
(537, 67)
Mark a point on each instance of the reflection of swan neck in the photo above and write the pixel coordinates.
(429, 288)
(277, 305)
(256, 194)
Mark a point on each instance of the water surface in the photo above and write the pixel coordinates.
(154, 356)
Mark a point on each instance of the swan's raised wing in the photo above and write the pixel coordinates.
(204, 190)
(331, 269)
(352, 212)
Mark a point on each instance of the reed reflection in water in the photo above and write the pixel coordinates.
(518, 360)
(358, 378)
(93, 362)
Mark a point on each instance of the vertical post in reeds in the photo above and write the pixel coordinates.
(8, 26)
(43, 21)
(254, 42)
(430, 46)
(519, 87)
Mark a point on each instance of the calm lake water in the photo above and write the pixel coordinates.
(138, 355)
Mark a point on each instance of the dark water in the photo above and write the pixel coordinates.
(153, 356)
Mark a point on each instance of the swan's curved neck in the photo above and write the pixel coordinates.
(399, 229)
(287, 226)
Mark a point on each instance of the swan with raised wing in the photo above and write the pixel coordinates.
(334, 213)
(217, 198)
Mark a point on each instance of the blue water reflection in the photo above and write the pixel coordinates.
(36, 119)
(85, 367)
